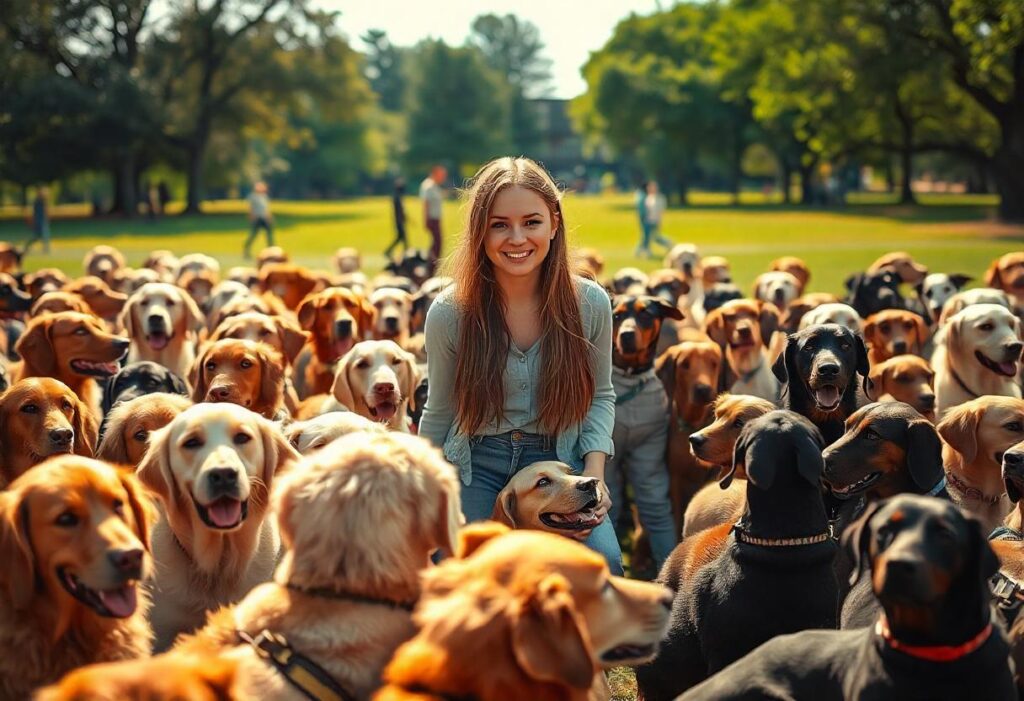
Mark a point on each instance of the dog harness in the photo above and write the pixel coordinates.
(933, 653)
(311, 680)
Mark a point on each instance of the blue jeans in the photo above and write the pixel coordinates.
(497, 458)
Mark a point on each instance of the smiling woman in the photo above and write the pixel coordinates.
(519, 348)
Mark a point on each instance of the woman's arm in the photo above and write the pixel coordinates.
(596, 431)
(439, 340)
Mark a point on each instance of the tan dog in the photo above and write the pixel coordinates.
(685, 257)
(799, 308)
(894, 332)
(1006, 273)
(162, 322)
(45, 280)
(777, 287)
(347, 260)
(289, 283)
(213, 468)
(163, 262)
(271, 254)
(344, 593)
(195, 263)
(590, 261)
(981, 295)
(128, 280)
(103, 262)
(550, 496)
(74, 537)
(714, 444)
(314, 434)
(59, 301)
(199, 286)
(902, 264)
(41, 417)
(336, 319)
(130, 424)
(833, 313)
(744, 329)
(671, 287)
(102, 300)
(246, 373)
(795, 267)
(542, 611)
(377, 380)
(716, 270)
(394, 310)
(905, 378)
(976, 354)
(244, 274)
(977, 433)
(223, 294)
(10, 258)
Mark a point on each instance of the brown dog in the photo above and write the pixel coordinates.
(58, 301)
(901, 263)
(45, 280)
(10, 258)
(1006, 273)
(541, 610)
(336, 320)
(74, 537)
(743, 329)
(40, 417)
(247, 373)
(129, 425)
(549, 496)
(103, 301)
(103, 262)
(905, 378)
(289, 283)
(894, 332)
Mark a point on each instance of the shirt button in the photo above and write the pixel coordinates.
(522, 359)
(523, 386)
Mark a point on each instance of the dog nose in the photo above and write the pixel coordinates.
(391, 321)
(899, 347)
(702, 392)
(220, 393)
(62, 435)
(127, 562)
(902, 568)
(927, 400)
(154, 318)
(828, 368)
(1013, 459)
(589, 485)
(779, 296)
(697, 440)
(343, 327)
(121, 344)
(222, 477)
(1014, 349)
(383, 388)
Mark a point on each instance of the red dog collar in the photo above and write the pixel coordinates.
(933, 653)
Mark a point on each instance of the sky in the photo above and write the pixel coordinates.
(571, 29)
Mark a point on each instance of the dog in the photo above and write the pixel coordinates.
(223, 294)
(1006, 273)
(799, 307)
(41, 417)
(422, 300)
(10, 258)
(628, 281)
(715, 270)
(131, 422)
(689, 373)
(377, 380)
(976, 354)
(247, 373)
(714, 444)
(198, 285)
(902, 264)
(162, 321)
(977, 433)
(59, 301)
(685, 258)
(196, 263)
(347, 260)
(245, 275)
(336, 320)
(74, 537)
(13, 300)
(128, 280)
(591, 261)
(904, 378)
(818, 370)
(103, 301)
(744, 330)
(45, 280)
(795, 267)
(671, 288)
(394, 314)
(138, 379)
(312, 435)
(929, 569)
(415, 264)
(212, 468)
(541, 609)
(833, 313)
(894, 332)
(982, 295)
(779, 288)
(720, 293)
(773, 572)
(936, 289)
(103, 262)
(289, 283)
(271, 254)
(549, 496)
(73, 348)
(870, 293)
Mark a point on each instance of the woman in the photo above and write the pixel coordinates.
(519, 348)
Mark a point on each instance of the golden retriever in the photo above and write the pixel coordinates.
(377, 380)
(45, 280)
(40, 417)
(394, 314)
(130, 424)
(162, 322)
(744, 329)
(716, 270)
(976, 434)
(901, 263)
(289, 283)
(980, 295)
(336, 319)
(550, 496)
(523, 615)
(904, 378)
(213, 468)
(247, 373)
(313, 434)
(74, 541)
(1006, 273)
(976, 354)
(795, 267)
(344, 592)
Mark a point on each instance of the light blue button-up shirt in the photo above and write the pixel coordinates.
(522, 380)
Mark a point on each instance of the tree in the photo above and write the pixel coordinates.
(456, 108)
(384, 69)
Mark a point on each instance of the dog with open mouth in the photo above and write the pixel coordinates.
(377, 380)
(73, 348)
(162, 321)
(74, 537)
(550, 496)
(212, 468)
(744, 329)
(336, 319)
(977, 353)
(819, 371)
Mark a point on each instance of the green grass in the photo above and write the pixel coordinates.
(947, 232)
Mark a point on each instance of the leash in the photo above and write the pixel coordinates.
(972, 492)
(325, 593)
(933, 653)
(937, 488)
(744, 537)
(301, 672)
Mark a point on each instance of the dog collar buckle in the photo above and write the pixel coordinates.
(1008, 592)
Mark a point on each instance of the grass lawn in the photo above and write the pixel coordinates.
(946, 233)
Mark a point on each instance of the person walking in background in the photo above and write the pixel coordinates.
(654, 208)
(259, 216)
(640, 202)
(163, 196)
(396, 203)
(432, 196)
(40, 220)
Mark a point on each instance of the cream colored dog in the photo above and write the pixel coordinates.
(394, 314)
(162, 321)
(314, 434)
(976, 354)
(779, 288)
(377, 379)
(212, 468)
(833, 313)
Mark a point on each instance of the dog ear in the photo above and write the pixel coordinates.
(278, 453)
(18, 572)
(874, 383)
(863, 366)
(853, 282)
(739, 460)
(856, 539)
(194, 319)
(714, 327)
(768, 317)
(809, 462)
(780, 368)
(271, 379)
(36, 348)
(408, 377)
(197, 376)
(476, 534)
(959, 428)
(959, 280)
(761, 468)
(178, 385)
(924, 454)
(992, 276)
(126, 319)
(505, 509)
(367, 317)
(293, 338)
(870, 326)
(154, 470)
(86, 427)
(143, 511)
(922, 332)
(669, 311)
(549, 636)
(113, 447)
(665, 367)
(450, 517)
(306, 313)
(342, 388)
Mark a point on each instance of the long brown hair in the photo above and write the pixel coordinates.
(567, 381)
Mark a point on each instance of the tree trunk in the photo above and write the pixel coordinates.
(1008, 171)
(117, 201)
(125, 193)
(806, 184)
(787, 181)
(683, 187)
(907, 166)
(194, 192)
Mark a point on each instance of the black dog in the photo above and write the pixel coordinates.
(775, 572)
(869, 293)
(135, 380)
(930, 567)
(720, 293)
(415, 264)
(818, 371)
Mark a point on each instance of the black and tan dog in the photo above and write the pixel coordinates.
(818, 371)
(930, 567)
(773, 574)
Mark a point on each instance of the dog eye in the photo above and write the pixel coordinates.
(885, 536)
(1014, 426)
(242, 438)
(363, 364)
(151, 382)
(543, 482)
(885, 328)
(986, 327)
(396, 361)
(118, 507)
(192, 443)
(82, 332)
(246, 363)
(141, 435)
(210, 366)
(845, 345)
(264, 333)
(30, 409)
(67, 520)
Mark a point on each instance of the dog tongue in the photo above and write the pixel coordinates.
(827, 396)
(1008, 369)
(120, 602)
(225, 512)
(158, 341)
(385, 411)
